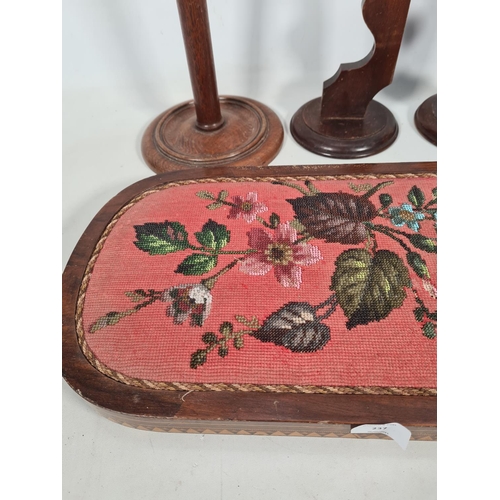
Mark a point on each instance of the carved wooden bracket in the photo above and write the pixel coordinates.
(345, 122)
(346, 94)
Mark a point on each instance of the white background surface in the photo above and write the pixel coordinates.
(123, 64)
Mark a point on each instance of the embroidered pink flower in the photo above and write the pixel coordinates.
(247, 208)
(278, 251)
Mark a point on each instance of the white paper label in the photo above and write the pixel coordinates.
(395, 431)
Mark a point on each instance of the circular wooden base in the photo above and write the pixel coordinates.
(251, 135)
(426, 119)
(344, 138)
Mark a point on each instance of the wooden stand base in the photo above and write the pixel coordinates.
(426, 119)
(344, 138)
(250, 134)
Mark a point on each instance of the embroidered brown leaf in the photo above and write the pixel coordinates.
(335, 217)
(369, 288)
(295, 327)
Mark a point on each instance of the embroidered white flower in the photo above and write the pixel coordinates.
(430, 288)
(192, 301)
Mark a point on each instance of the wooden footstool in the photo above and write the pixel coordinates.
(274, 300)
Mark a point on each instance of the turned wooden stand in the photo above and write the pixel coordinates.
(426, 119)
(210, 130)
(346, 122)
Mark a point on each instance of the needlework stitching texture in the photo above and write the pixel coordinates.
(298, 284)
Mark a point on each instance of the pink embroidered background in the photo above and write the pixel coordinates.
(148, 345)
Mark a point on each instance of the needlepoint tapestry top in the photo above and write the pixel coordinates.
(302, 284)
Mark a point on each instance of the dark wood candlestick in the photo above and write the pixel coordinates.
(426, 119)
(210, 130)
(346, 122)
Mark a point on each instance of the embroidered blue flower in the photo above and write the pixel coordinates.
(405, 215)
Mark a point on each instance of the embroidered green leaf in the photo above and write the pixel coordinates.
(161, 238)
(296, 327)
(196, 264)
(385, 200)
(335, 217)
(198, 358)
(418, 264)
(213, 235)
(107, 320)
(432, 315)
(205, 195)
(206, 238)
(223, 352)
(360, 187)
(223, 195)
(423, 243)
(226, 328)
(238, 342)
(209, 338)
(297, 225)
(429, 330)
(215, 206)
(435, 192)
(416, 196)
(136, 295)
(274, 220)
(369, 288)
(419, 313)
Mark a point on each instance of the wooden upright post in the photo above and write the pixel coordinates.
(345, 122)
(211, 130)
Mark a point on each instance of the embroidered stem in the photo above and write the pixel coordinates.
(426, 318)
(373, 190)
(212, 280)
(303, 239)
(420, 302)
(293, 186)
(227, 335)
(329, 300)
(312, 187)
(396, 231)
(388, 232)
(235, 252)
(213, 251)
(113, 317)
(263, 222)
(228, 203)
(372, 244)
(328, 312)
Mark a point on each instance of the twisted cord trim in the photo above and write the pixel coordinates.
(179, 386)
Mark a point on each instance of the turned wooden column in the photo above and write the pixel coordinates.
(210, 130)
(345, 122)
(198, 45)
